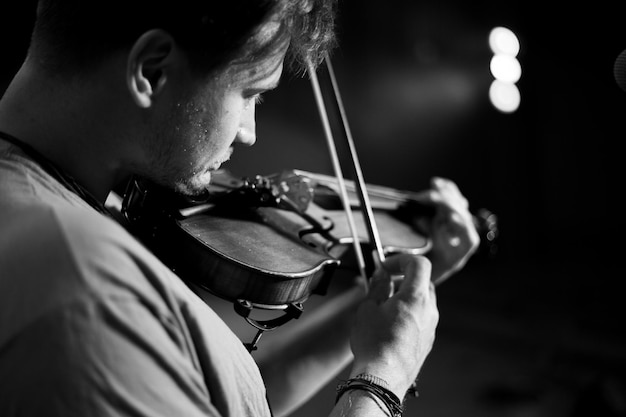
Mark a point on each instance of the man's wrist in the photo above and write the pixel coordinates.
(375, 387)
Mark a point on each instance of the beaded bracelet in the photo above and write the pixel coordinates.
(412, 391)
(376, 386)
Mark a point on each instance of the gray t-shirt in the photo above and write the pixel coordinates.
(92, 324)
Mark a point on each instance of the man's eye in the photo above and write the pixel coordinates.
(253, 99)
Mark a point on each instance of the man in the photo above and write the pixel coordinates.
(91, 323)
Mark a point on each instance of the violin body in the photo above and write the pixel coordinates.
(235, 253)
(248, 250)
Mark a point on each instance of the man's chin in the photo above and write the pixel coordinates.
(195, 185)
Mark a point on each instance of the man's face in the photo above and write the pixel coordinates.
(204, 122)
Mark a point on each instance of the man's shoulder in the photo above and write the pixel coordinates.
(44, 228)
(65, 251)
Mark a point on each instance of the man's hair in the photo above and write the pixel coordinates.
(74, 35)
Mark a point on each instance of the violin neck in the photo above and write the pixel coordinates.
(381, 197)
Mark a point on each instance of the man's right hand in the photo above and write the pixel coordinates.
(394, 328)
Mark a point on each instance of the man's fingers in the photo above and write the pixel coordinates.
(450, 192)
(415, 269)
(380, 286)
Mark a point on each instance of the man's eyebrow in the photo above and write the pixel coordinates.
(267, 87)
(273, 85)
(262, 89)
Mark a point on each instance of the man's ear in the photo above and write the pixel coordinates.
(149, 62)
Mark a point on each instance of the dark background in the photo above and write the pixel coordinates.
(538, 329)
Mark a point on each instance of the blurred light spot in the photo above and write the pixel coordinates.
(503, 41)
(505, 68)
(504, 96)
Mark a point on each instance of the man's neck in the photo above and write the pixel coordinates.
(62, 121)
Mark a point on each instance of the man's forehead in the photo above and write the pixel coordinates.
(267, 70)
(267, 32)
(270, 70)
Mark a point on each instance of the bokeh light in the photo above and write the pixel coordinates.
(503, 41)
(504, 96)
(505, 68)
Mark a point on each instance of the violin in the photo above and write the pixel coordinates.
(272, 241)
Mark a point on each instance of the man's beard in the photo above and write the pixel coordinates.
(197, 183)
(194, 185)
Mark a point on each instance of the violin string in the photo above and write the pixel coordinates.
(366, 206)
(372, 190)
(317, 92)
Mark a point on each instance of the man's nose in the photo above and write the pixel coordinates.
(246, 134)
